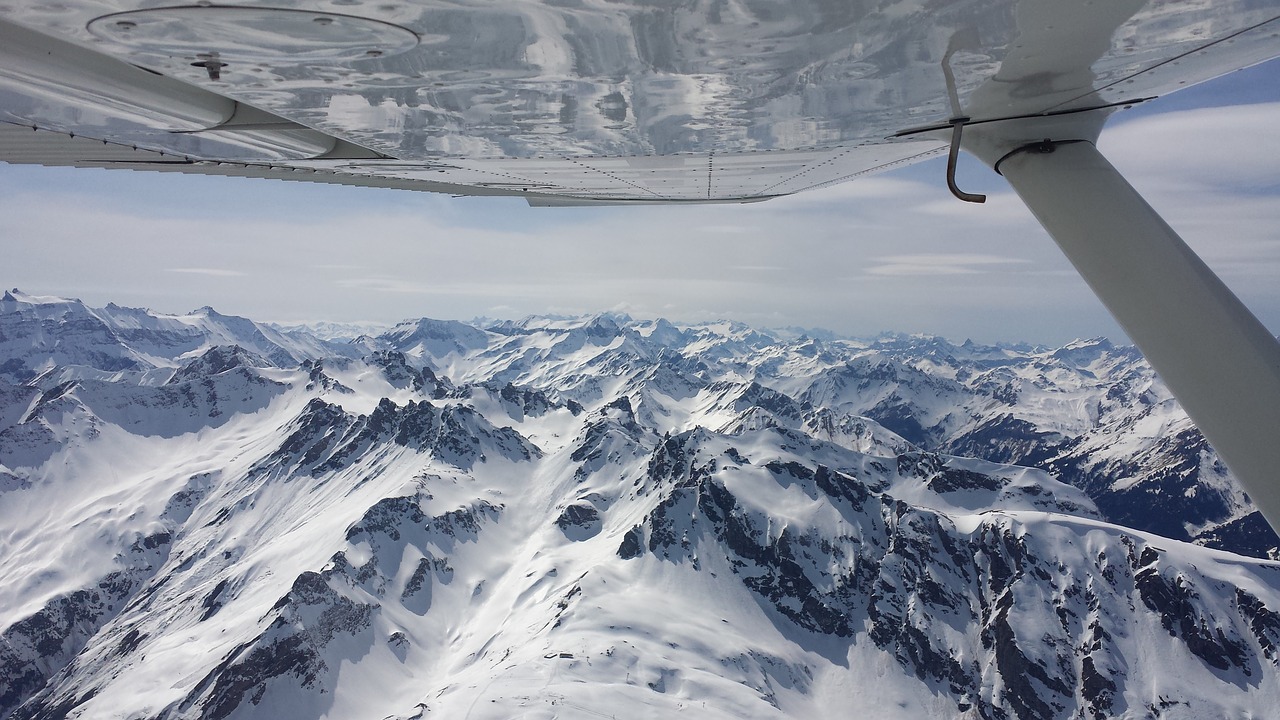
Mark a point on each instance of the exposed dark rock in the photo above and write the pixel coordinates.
(309, 616)
(609, 436)
(1264, 622)
(1006, 439)
(579, 521)
(1098, 690)
(212, 602)
(524, 402)
(1249, 535)
(34, 649)
(1173, 597)
(327, 439)
(632, 545)
(957, 479)
(216, 360)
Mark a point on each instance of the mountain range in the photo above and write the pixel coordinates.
(203, 516)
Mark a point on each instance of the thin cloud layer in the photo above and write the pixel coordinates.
(888, 252)
(937, 264)
(212, 272)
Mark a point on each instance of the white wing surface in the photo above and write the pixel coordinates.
(578, 102)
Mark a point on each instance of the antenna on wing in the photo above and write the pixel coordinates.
(963, 39)
(953, 157)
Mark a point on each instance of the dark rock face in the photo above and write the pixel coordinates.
(522, 402)
(1249, 535)
(912, 575)
(309, 617)
(579, 521)
(1264, 622)
(956, 480)
(37, 649)
(320, 608)
(325, 438)
(397, 370)
(632, 545)
(53, 636)
(1006, 439)
(217, 360)
(1172, 595)
(901, 419)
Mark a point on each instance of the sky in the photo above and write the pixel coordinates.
(892, 252)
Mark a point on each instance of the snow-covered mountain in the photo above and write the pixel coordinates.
(205, 517)
(39, 334)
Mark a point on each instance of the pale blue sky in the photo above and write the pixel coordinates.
(891, 252)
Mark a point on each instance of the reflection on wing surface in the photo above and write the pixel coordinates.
(608, 101)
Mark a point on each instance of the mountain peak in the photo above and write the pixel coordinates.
(534, 509)
(1100, 342)
(604, 325)
(216, 360)
(15, 295)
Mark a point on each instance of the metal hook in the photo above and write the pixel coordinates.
(957, 125)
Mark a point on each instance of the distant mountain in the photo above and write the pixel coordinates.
(38, 334)
(332, 331)
(207, 517)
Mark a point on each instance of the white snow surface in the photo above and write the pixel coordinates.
(590, 517)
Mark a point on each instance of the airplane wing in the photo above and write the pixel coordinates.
(584, 102)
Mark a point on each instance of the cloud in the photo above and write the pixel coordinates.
(1208, 148)
(212, 272)
(936, 264)
(724, 229)
(385, 285)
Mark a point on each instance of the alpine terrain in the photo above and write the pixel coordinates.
(202, 516)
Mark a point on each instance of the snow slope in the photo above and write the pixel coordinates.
(600, 517)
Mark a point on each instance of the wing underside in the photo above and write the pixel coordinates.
(600, 102)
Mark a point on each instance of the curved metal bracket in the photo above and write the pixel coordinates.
(953, 157)
(1044, 147)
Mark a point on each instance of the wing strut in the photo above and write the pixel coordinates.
(1217, 358)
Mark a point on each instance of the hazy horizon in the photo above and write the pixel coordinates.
(889, 252)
